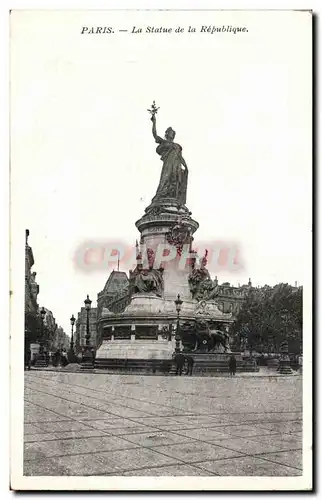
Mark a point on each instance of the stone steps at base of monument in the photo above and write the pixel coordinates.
(214, 356)
(145, 365)
(168, 367)
(223, 367)
(86, 366)
(285, 370)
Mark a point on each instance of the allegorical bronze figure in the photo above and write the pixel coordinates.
(174, 174)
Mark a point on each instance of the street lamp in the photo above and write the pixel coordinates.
(243, 338)
(71, 354)
(87, 303)
(87, 355)
(42, 314)
(284, 361)
(72, 322)
(41, 358)
(178, 303)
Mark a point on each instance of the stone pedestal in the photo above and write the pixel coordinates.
(168, 226)
(87, 359)
(284, 362)
(137, 349)
(41, 361)
(146, 311)
(135, 355)
(72, 358)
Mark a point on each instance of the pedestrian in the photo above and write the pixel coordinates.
(232, 365)
(28, 359)
(300, 363)
(179, 361)
(64, 358)
(93, 356)
(190, 363)
(34, 359)
(56, 358)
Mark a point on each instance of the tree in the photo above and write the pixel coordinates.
(32, 327)
(270, 315)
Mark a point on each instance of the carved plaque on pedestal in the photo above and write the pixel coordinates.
(122, 332)
(146, 332)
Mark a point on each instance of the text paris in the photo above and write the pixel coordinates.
(96, 30)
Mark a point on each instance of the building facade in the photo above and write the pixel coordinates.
(61, 340)
(116, 288)
(231, 298)
(32, 320)
(31, 286)
(36, 327)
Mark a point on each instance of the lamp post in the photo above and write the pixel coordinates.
(244, 338)
(72, 322)
(71, 354)
(42, 314)
(41, 358)
(87, 303)
(284, 361)
(87, 355)
(178, 303)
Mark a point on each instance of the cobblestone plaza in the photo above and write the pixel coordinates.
(98, 424)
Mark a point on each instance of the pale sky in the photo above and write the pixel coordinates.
(83, 158)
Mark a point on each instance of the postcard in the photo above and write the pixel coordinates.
(161, 260)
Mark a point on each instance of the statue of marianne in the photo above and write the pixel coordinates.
(174, 174)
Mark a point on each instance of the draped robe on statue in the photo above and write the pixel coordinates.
(174, 179)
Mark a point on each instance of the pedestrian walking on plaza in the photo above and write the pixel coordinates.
(190, 363)
(93, 356)
(64, 358)
(232, 365)
(28, 359)
(300, 363)
(55, 358)
(179, 361)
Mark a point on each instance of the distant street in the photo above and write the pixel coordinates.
(99, 424)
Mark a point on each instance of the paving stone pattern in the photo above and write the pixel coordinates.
(84, 424)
